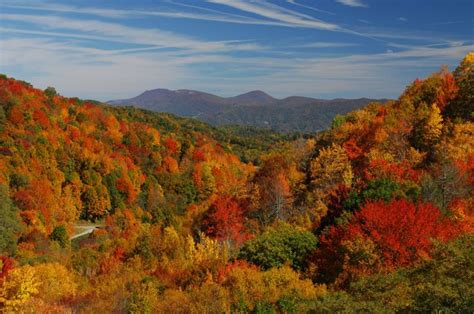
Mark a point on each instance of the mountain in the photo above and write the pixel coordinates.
(256, 97)
(255, 108)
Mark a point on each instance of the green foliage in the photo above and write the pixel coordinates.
(3, 118)
(143, 247)
(443, 284)
(338, 121)
(9, 223)
(277, 246)
(263, 307)
(18, 181)
(383, 189)
(60, 235)
(463, 106)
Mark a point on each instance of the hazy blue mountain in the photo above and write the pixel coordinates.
(256, 108)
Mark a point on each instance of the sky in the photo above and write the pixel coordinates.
(104, 50)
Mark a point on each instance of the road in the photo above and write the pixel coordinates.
(83, 230)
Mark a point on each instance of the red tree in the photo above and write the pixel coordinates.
(6, 264)
(400, 231)
(225, 220)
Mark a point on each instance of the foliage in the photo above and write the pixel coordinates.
(9, 223)
(60, 235)
(381, 236)
(278, 246)
(192, 218)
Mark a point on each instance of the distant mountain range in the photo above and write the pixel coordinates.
(256, 108)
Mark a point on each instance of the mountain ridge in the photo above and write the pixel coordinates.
(255, 108)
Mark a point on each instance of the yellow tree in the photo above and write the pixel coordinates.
(328, 170)
(433, 126)
(18, 288)
(331, 168)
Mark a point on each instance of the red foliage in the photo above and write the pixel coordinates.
(16, 116)
(399, 172)
(41, 118)
(75, 133)
(401, 231)
(125, 186)
(352, 149)
(447, 92)
(225, 220)
(223, 272)
(171, 145)
(467, 168)
(6, 264)
(198, 155)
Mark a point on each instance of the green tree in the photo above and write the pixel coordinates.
(463, 105)
(9, 223)
(60, 235)
(277, 246)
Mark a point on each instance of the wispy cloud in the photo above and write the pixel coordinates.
(353, 3)
(293, 2)
(111, 53)
(280, 16)
(99, 73)
(114, 32)
(277, 13)
(327, 45)
(403, 19)
(256, 13)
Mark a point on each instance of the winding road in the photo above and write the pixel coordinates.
(82, 230)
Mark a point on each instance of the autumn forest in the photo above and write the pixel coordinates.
(118, 209)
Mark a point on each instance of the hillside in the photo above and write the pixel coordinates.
(255, 108)
(375, 214)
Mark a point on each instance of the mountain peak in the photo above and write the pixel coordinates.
(255, 97)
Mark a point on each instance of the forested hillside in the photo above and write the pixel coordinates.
(375, 214)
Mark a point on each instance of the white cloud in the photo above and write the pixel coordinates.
(293, 2)
(114, 32)
(353, 3)
(277, 13)
(77, 70)
(215, 15)
(403, 19)
(327, 45)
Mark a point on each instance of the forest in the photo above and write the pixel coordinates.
(374, 214)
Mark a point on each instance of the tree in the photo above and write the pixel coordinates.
(381, 236)
(279, 245)
(96, 201)
(330, 168)
(18, 288)
(9, 223)
(50, 92)
(444, 184)
(60, 235)
(271, 189)
(433, 126)
(463, 105)
(225, 220)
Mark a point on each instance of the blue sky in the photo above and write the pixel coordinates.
(321, 48)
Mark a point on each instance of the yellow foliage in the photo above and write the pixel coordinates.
(461, 144)
(56, 282)
(250, 285)
(331, 168)
(18, 288)
(208, 251)
(434, 125)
